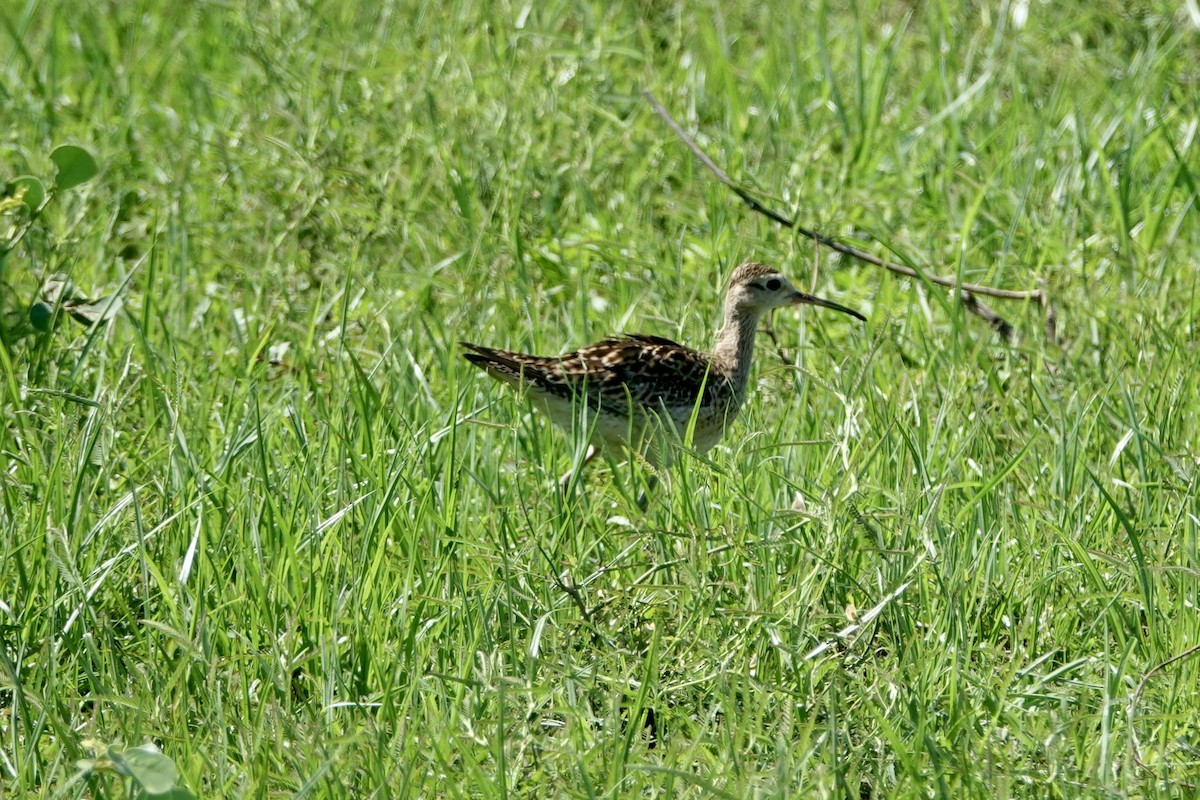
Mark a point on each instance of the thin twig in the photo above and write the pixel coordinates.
(768, 330)
(1133, 704)
(966, 290)
(986, 313)
(571, 589)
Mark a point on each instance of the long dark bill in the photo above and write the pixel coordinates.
(807, 299)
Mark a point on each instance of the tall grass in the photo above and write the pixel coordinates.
(270, 521)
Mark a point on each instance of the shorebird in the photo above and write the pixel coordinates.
(629, 389)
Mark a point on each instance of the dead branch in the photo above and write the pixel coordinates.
(967, 291)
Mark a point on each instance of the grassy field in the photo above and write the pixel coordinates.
(269, 520)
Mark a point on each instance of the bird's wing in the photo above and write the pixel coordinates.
(645, 370)
(617, 371)
(516, 368)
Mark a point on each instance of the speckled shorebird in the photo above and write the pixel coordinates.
(636, 385)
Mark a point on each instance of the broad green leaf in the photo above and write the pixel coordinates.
(75, 166)
(178, 793)
(153, 772)
(33, 193)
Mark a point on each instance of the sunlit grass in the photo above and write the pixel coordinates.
(272, 522)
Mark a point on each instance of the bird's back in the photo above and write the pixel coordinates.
(628, 379)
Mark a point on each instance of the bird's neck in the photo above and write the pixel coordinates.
(734, 348)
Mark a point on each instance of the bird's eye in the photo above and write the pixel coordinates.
(773, 285)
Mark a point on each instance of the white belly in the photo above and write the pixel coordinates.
(644, 429)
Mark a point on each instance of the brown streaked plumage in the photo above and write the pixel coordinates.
(635, 385)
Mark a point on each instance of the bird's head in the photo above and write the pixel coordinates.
(757, 288)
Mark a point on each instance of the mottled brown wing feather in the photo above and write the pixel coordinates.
(542, 372)
(647, 370)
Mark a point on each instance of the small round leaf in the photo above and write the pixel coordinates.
(41, 316)
(153, 772)
(75, 166)
(32, 192)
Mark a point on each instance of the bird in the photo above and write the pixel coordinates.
(629, 389)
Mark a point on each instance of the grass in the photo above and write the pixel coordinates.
(270, 521)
